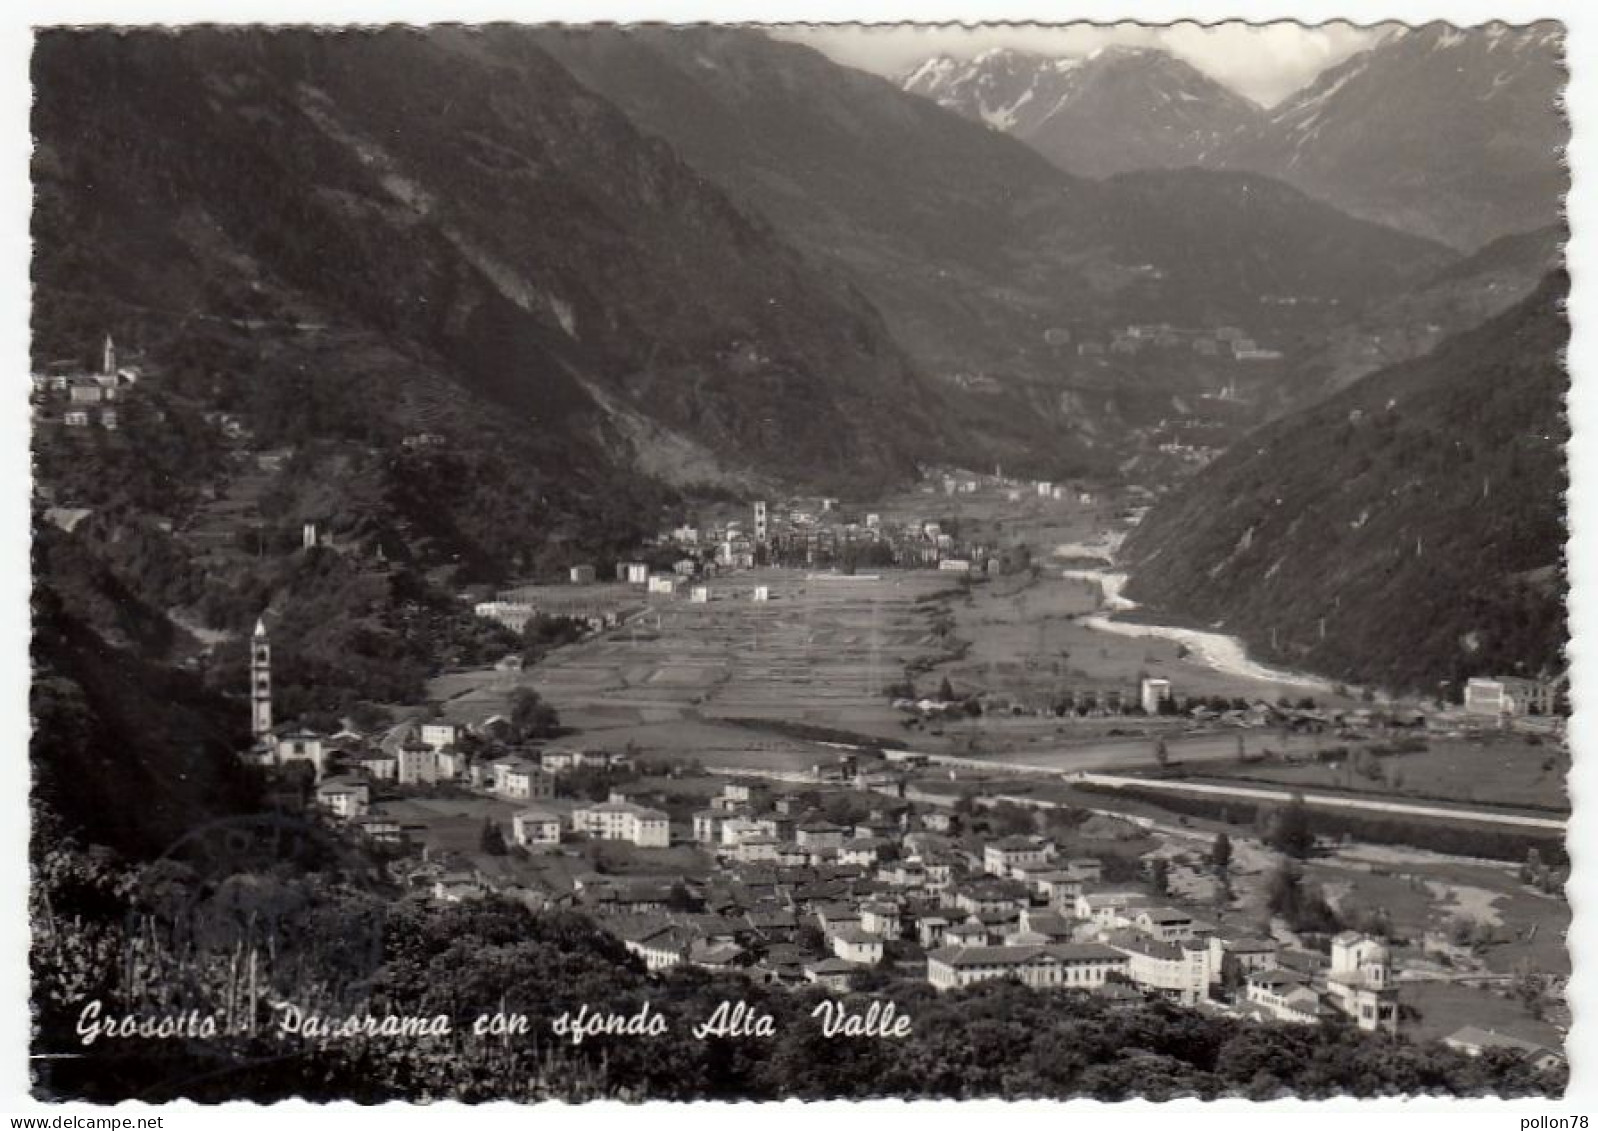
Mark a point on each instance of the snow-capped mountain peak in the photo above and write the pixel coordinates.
(1121, 107)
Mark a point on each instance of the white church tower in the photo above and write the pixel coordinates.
(261, 684)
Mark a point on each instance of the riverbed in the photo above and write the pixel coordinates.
(1214, 650)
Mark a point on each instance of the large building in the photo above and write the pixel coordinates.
(416, 764)
(1071, 965)
(622, 820)
(535, 828)
(1177, 971)
(1360, 982)
(522, 779)
(438, 734)
(514, 615)
(1511, 697)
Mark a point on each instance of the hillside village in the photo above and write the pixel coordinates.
(859, 868)
(840, 885)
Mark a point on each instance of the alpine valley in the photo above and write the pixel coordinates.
(576, 528)
(604, 273)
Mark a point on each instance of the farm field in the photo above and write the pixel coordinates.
(1500, 769)
(820, 651)
(1445, 1007)
(1029, 640)
(453, 826)
(824, 649)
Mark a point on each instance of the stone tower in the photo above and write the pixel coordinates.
(261, 684)
(760, 521)
(108, 357)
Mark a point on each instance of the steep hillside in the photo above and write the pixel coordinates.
(487, 216)
(1116, 110)
(1461, 295)
(110, 727)
(455, 310)
(1450, 133)
(1406, 531)
(970, 243)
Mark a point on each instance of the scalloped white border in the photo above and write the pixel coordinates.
(1581, 20)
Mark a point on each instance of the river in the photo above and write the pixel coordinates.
(1215, 650)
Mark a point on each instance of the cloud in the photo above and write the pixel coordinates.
(1265, 63)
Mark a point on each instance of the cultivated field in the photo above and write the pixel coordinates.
(1499, 768)
(820, 652)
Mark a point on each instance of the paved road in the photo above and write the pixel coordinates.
(1325, 801)
(1241, 792)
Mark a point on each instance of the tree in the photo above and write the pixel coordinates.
(1289, 830)
(1528, 988)
(945, 691)
(531, 717)
(493, 840)
(1221, 852)
(1162, 753)
(678, 898)
(1160, 875)
(1301, 904)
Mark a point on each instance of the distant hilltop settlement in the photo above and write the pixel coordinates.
(65, 394)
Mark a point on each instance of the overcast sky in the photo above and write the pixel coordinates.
(1265, 63)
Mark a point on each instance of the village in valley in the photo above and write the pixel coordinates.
(819, 744)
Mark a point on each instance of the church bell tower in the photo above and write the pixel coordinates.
(261, 684)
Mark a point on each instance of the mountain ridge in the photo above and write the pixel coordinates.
(1407, 530)
(1440, 131)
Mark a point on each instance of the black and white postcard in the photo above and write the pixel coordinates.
(752, 562)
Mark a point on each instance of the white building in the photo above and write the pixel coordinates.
(622, 820)
(854, 944)
(522, 779)
(1152, 693)
(1284, 995)
(344, 798)
(535, 828)
(881, 919)
(417, 764)
(380, 766)
(302, 746)
(1164, 924)
(1360, 982)
(1001, 857)
(438, 734)
(1109, 908)
(1179, 971)
(514, 615)
(736, 830)
(1084, 966)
